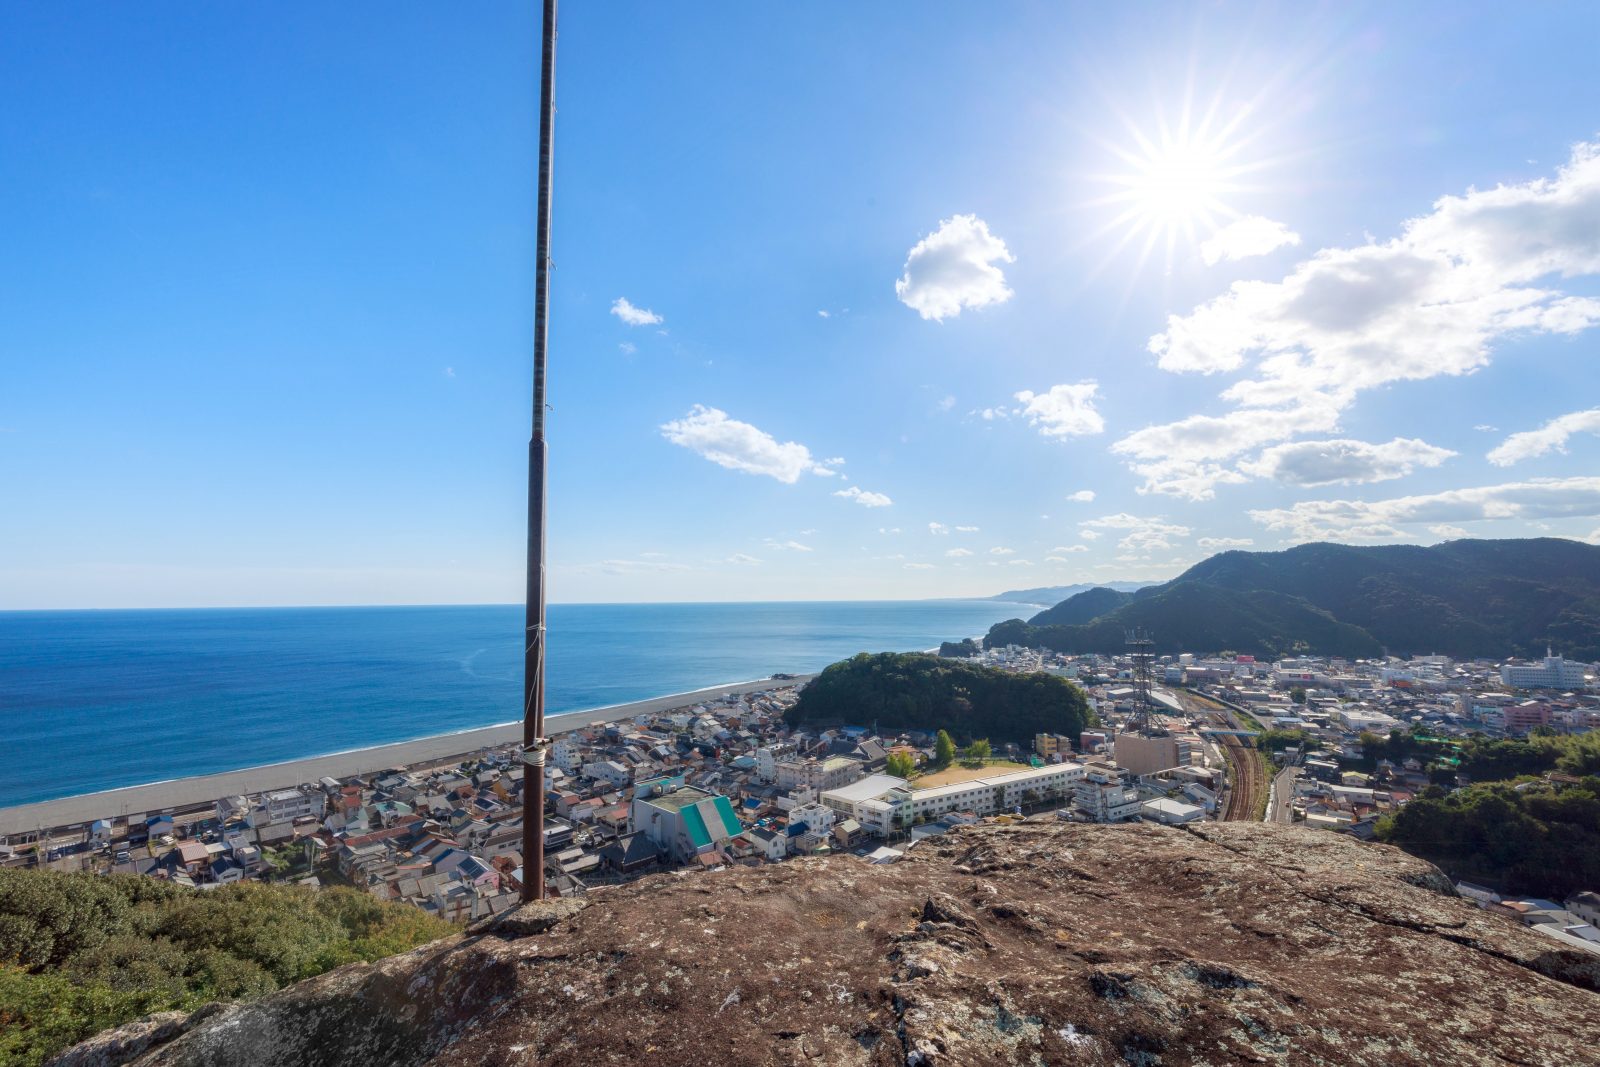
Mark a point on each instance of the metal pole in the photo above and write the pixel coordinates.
(534, 743)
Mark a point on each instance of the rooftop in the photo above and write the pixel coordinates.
(869, 788)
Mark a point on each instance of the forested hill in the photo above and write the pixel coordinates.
(918, 692)
(1461, 598)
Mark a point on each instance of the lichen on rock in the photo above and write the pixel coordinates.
(1033, 943)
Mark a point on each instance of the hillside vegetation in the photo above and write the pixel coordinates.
(920, 692)
(80, 953)
(1461, 598)
(1533, 838)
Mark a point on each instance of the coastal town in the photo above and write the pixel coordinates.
(726, 782)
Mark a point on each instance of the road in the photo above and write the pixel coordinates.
(1280, 809)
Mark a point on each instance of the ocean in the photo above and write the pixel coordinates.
(93, 700)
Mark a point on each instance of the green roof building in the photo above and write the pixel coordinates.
(685, 821)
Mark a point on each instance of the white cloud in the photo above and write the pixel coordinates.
(634, 316)
(947, 403)
(1551, 437)
(1246, 237)
(1209, 543)
(1344, 462)
(1082, 496)
(823, 314)
(957, 553)
(1434, 301)
(1019, 562)
(954, 268)
(1065, 411)
(1071, 548)
(449, 372)
(919, 566)
(999, 551)
(1594, 537)
(1357, 520)
(1143, 535)
(886, 530)
(740, 446)
(743, 560)
(1089, 535)
(787, 546)
(1446, 531)
(864, 498)
(1484, 427)
(937, 528)
(627, 348)
(966, 529)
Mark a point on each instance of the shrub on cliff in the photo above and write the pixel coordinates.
(81, 952)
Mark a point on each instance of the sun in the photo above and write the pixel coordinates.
(1178, 186)
(1175, 182)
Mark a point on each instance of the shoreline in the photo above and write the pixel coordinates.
(204, 789)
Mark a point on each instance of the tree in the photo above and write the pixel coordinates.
(944, 750)
(901, 765)
(1298, 695)
(921, 692)
(979, 750)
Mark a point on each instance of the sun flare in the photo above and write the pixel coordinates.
(1176, 182)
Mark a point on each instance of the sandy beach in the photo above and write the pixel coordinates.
(182, 793)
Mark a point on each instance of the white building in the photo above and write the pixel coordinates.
(609, 771)
(1103, 795)
(1553, 673)
(821, 775)
(882, 803)
(767, 759)
(286, 805)
(567, 753)
(1171, 812)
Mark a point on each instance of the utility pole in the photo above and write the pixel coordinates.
(534, 743)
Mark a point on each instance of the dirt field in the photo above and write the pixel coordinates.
(957, 773)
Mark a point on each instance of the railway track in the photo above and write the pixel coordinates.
(1248, 781)
(1247, 777)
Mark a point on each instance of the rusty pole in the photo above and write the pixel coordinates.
(534, 743)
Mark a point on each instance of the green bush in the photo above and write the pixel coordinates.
(80, 953)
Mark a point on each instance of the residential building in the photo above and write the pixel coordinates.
(820, 775)
(1048, 745)
(1103, 795)
(287, 805)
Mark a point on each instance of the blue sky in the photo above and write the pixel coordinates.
(266, 295)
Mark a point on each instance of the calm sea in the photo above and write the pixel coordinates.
(92, 700)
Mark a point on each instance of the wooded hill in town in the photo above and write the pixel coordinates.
(1468, 598)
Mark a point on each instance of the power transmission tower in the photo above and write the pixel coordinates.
(1141, 649)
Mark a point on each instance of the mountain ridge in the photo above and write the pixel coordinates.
(1467, 598)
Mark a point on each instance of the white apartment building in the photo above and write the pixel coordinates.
(567, 753)
(285, 805)
(821, 775)
(1553, 673)
(767, 759)
(1103, 795)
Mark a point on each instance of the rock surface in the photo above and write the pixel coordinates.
(1034, 943)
